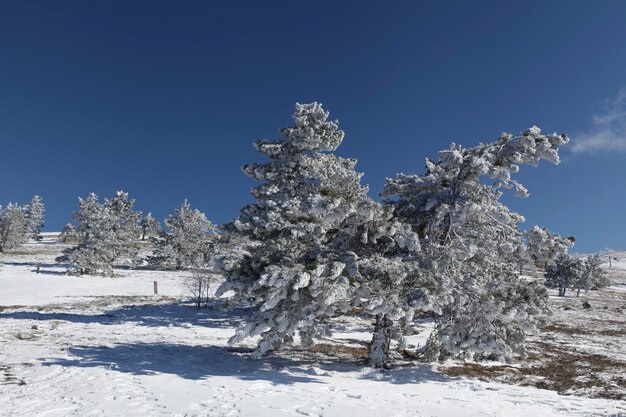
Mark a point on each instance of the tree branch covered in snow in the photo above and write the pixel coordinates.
(472, 240)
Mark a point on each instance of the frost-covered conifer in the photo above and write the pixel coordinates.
(13, 227)
(594, 274)
(69, 233)
(568, 272)
(187, 242)
(150, 227)
(564, 273)
(316, 243)
(544, 246)
(90, 210)
(473, 242)
(108, 231)
(34, 215)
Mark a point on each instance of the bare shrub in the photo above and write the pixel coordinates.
(198, 285)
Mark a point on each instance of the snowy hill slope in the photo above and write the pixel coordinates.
(93, 346)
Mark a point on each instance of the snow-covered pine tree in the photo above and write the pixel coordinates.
(187, 242)
(150, 227)
(564, 273)
(70, 233)
(317, 244)
(568, 272)
(594, 274)
(89, 211)
(544, 246)
(13, 227)
(108, 231)
(34, 216)
(473, 241)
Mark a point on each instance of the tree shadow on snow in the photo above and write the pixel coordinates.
(289, 366)
(203, 362)
(44, 268)
(152, 315)
(34, 264)
(190, 362)
(413, 374)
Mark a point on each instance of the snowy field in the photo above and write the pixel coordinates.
(93, 346)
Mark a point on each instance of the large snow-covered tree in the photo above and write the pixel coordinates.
(108, 234)
(13, 227)
(317, 245)
(34, 216)
(473, 242)
(187, 242)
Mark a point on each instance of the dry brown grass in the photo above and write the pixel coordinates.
(562, 370)
(329, 352)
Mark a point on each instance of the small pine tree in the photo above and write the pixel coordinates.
(13, 227)
(150, 227)
(594, 273)
(89, 212)
(567, 272)
(69, 233)
(187, 242)
(108, 232)
(564, 273)
(34, 215)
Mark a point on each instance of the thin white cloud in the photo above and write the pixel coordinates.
(609, 128)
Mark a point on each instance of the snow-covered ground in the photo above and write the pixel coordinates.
(93, 346)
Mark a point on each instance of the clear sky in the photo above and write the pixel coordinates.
(163, 99)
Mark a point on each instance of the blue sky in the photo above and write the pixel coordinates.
(163, 99)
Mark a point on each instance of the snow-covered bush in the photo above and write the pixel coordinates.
(108, 234)
(13, 227)
(544, 246)
(187, 242)
(317, 245)
(473, 242)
